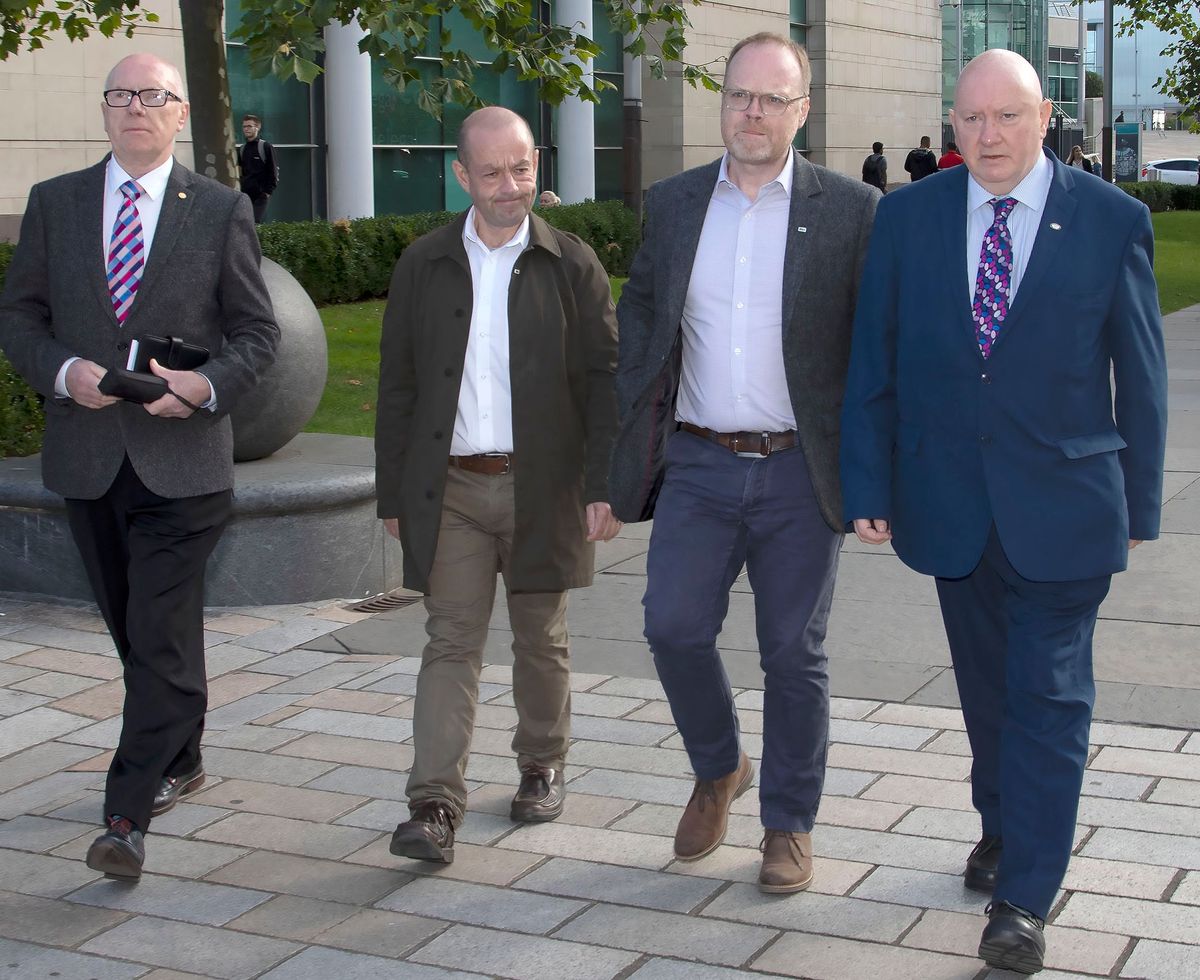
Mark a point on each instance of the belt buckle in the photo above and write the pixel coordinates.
(764, 444)
(507, 461)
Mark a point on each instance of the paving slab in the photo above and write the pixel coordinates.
(28, 960)
(522, 957)
(317, 964)
(188, 901)
(482, 905)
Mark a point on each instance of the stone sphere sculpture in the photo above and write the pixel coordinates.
(280, 405)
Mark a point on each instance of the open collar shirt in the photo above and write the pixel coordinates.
(484, 420)
(733, 376)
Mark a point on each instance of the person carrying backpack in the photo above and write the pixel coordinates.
(260, 172)
(874, 170)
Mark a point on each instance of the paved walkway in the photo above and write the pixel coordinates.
(279, 868)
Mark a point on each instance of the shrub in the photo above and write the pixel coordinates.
(21, 418)
(346, 261)
(1159, 196)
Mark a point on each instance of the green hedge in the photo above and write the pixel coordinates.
(1159, 196)
(347, 261)
(21, 418)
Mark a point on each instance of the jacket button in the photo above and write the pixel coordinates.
(985, 439)
(449, 372)
(122, 346)
(459, 312)
(429, 495)
(438, 434)
(986, 379)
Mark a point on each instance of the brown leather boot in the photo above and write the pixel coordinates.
(787, 862)
(706, 818)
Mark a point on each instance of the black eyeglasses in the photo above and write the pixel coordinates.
(151, 98)
(738, 100)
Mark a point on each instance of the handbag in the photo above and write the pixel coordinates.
(135, 382)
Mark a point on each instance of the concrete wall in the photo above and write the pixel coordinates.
(50, 120)
(876, 76)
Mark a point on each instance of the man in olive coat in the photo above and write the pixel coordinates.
(496, 417)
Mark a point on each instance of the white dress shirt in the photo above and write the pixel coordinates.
(733, 378)
(484, 420)
(1023, 221)
(149, 207)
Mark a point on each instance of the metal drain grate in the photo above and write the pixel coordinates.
(385, 602)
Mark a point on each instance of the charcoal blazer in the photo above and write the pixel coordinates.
(201, 283)
(1034, 439)
(828, 228)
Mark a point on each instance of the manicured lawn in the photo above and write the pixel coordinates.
(1177, 258)
(348, 406)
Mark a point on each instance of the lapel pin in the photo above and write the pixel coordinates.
(1055, 226)
(182, 196)
(801, 228)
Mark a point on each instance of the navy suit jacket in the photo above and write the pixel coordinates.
(1034, 439)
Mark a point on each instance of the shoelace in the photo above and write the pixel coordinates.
(706, 790)
(793, 842)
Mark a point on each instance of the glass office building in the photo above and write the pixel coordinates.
(413, 151)
(970, 27)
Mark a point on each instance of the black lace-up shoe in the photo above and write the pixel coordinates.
(983, 864)
(1013, 939)
(174, 788)
(540, 796)
(428, 836)
(118, 852)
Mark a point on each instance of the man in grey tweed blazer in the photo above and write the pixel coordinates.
(148, 488)
(734, 341)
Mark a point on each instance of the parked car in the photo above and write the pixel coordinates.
(1180, 170)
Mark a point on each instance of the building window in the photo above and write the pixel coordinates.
(798, 29)
(287, 109)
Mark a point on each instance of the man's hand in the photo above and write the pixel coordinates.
(81, 380)
(602, 526)
(1133, 543)
(189, 384)
(392, 526)
(872, 530)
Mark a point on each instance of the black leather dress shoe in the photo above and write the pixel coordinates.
(118, 852)
(983, 864)
(540, 796)
(174, 788)
(428, 836)
(1012, 939)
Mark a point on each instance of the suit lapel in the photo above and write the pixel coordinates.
(803, 222)
(688, 215)
(89, 200)
(953, 211)
(176, 205)
(1051, 234)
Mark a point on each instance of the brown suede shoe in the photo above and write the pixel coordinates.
(706, 818)
(787, 862)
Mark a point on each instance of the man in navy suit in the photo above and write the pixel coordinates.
(981, 436)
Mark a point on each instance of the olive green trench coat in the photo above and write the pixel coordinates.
(562, 359)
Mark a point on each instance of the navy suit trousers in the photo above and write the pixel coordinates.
(717, 513)
(1022, 655)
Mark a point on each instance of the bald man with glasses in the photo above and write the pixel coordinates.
(139, 245)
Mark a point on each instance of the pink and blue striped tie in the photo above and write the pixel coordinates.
(126, 252)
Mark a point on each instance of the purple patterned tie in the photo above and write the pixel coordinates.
(125, 253)
(994, 278)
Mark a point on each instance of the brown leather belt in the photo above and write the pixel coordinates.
(761, 443)
(489, 464)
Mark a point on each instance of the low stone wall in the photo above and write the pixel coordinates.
(303, 529)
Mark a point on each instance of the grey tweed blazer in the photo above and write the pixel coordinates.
(829, 226)
(201, 283)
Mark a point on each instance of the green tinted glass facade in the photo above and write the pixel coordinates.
(290, 112)
(414, 151)
(798, 23)
(975, 26)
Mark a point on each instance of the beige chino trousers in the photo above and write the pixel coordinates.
(474, 543)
